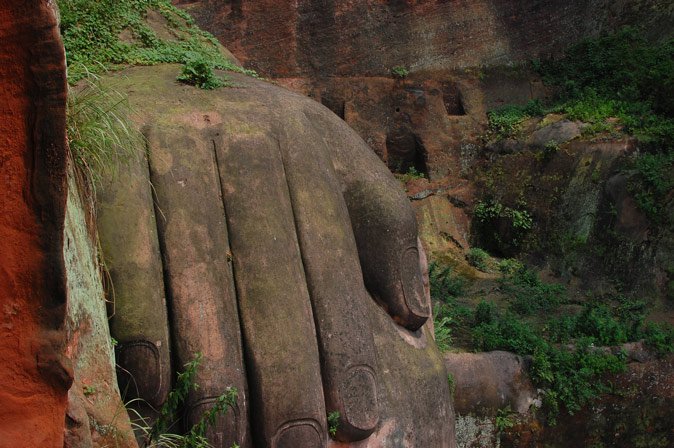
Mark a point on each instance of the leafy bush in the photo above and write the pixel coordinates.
(659, 337)
(655, 179)
(399, 72)
(491, 210)
(501, 228)
(478, 258)
(506, 121)
(199, 72)
(509, 266)
(411, 174)
(569, 377)
(445, 285)
(333, 422)
(443, 331)
(528, 294)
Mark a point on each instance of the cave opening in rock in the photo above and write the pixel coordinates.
(451, 97)
(404, 151)
(333, 103)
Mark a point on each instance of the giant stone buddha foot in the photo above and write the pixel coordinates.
(263, 233)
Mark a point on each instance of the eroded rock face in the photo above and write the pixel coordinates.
(317, 39)
(487, 382)
(96, 416)
(274, 226)
(35, 376)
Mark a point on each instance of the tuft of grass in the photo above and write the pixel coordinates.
(100, 134)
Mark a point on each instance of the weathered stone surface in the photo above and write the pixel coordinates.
(556, 133)
(303, 201)
(318, 39)
(96, 416)
(35, 376)
(487, 382)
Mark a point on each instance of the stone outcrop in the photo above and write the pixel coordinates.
(273, 218)
(96, 416)
(35, 376)
(318, 39)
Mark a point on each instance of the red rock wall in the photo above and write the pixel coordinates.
(34, 379)
(318, 38)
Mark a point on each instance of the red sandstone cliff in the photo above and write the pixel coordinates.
(34, 377)
(322, 38)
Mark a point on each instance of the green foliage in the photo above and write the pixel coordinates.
(160, 435)
(106, 34)
(569, 377)
(506, 121)
(508, 266)
(622, 66)
(528, 294)
(399, 72)
(100, 134)
(485, 313)
(333, 422)
(445, 285)
(501, 228)
(566, 361)
(505, 418)
(478, 258)
(659, 337)
(492, 210)
(88, 390)
(198, 72)
(411, 174)
(443, 331)
(452, 383)
(621, 79)
(653, 183)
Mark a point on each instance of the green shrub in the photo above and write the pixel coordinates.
(198, 72)
(443, 332)
(501, 228)
(492, 210)
(505, 418)
(509, 266)
(411, 174)
(444, 285)
(506, 121)
(478, 258)
(399, 72)
(659, 337)
(528, 294)
(485, 313)
(654, 182)
(569, 377)
(333, 422)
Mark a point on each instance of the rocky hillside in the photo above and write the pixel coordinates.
(564, 165)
